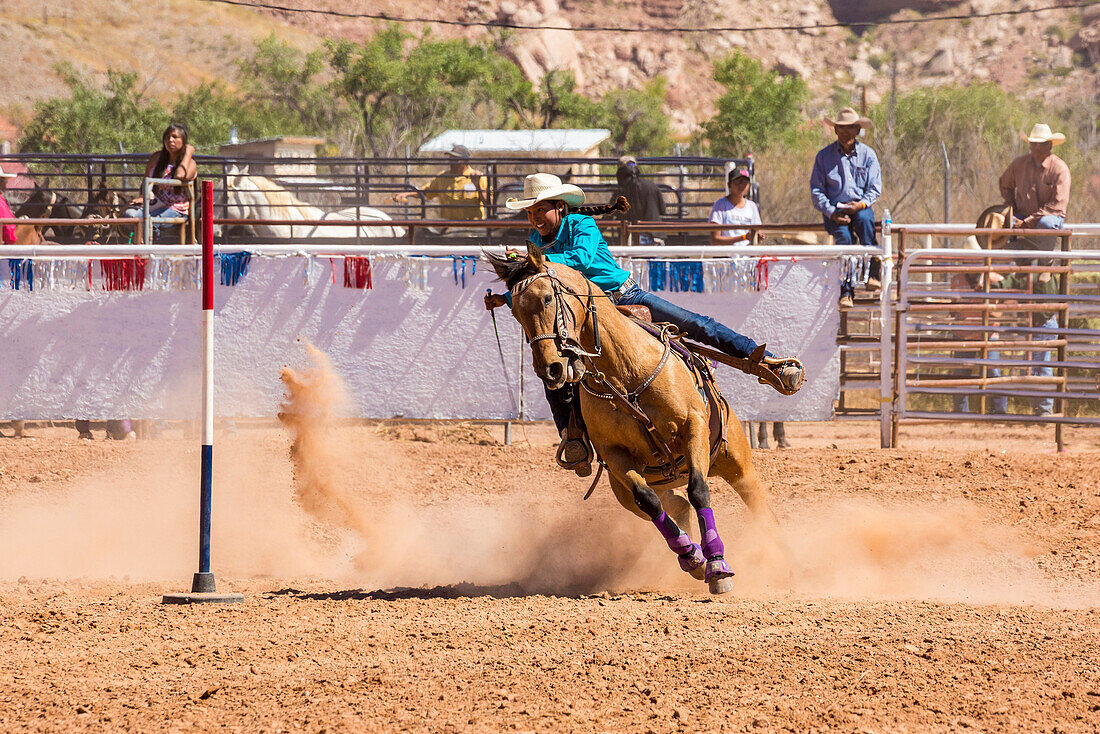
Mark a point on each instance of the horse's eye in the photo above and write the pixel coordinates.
(547, 300)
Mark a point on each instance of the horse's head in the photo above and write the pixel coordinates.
(550, 302)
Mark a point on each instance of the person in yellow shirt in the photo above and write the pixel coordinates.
(461, 191)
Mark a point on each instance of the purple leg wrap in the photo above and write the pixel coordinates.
(691, 556)
(677, 539)
(712, 543)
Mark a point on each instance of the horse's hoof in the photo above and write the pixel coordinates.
(694, 563)
(719, 576)
(721, 585)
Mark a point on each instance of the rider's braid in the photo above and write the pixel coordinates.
(619, 205)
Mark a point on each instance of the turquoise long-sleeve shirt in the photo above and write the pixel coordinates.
(579, 244)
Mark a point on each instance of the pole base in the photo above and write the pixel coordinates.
(202, 592)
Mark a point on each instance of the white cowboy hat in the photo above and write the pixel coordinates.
(848, 116)
(543, 187)
(5, 174)
(1041, 133)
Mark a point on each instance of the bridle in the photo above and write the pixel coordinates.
(564, 318)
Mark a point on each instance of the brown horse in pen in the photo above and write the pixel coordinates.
(646, 415)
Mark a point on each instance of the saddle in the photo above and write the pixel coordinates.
(668, 468)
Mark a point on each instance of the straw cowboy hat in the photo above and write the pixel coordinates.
(5, 174)
(848, 116)
(1041, 133)
(545, 187)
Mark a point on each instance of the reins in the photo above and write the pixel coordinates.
(603, 388)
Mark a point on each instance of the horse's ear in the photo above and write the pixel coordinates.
(501, 264)
(535, 258)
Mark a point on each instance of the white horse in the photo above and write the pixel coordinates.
(257, 197)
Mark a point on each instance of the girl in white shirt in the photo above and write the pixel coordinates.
(734, 209)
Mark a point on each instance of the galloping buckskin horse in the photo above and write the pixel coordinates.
(578, 335)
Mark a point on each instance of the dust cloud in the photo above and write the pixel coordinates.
(322, 499)
(870, 550)
(490, 542)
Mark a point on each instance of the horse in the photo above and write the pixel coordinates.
(257, 197)
(578, 335)
(103, 203)
(44, 203)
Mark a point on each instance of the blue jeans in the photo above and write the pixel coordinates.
(999, 403)
(156, 209)
(1039, 243)
(862, 228)
(702, 329)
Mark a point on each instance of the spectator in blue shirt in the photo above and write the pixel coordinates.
(845, 183)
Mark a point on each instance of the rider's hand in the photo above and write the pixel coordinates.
(841, 217)
(494, 300)
(995, 277)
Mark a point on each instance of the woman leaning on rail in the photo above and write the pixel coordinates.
(175, 159)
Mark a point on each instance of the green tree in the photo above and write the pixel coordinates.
(285, 82)
(978, 124)
(760, 109)
(210, 111)
(404, 93)
(560, 104)
(636, 119)
(93, 120)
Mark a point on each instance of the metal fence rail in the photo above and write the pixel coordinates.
(689, 185)
(970, 350)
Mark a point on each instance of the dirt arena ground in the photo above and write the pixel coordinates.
(443, 582)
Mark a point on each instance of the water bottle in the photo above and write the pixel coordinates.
(886, 223)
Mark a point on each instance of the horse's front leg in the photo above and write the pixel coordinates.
(718, 573)
(637, 496)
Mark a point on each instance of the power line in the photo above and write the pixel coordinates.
(648, 29)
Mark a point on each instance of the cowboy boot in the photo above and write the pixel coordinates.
(787, 373)
(573, 454)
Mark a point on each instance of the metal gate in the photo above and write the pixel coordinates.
(997, 335)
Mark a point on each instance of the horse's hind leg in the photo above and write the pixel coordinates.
(635, 495)
(734, 464)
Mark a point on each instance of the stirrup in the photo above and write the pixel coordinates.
(785, 374)
(582, 466)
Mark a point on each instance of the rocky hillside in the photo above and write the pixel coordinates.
(1053, 54)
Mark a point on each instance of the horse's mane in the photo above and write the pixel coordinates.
(509, 269)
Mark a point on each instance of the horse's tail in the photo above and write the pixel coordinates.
(620, 204)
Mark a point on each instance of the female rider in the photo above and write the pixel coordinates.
(574, 240)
